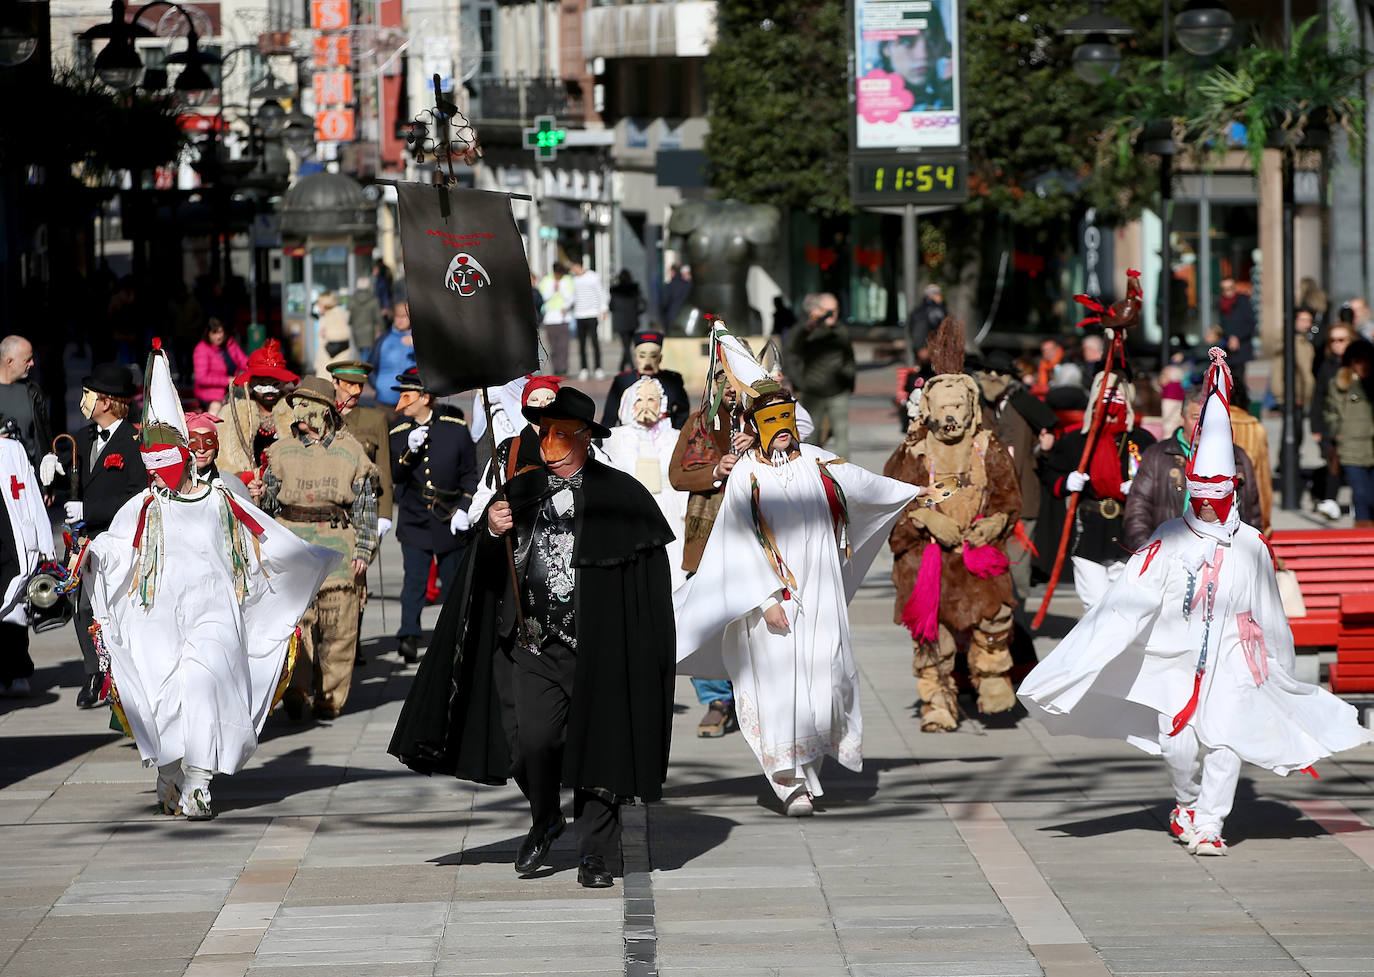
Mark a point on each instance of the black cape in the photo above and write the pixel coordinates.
(459, 716)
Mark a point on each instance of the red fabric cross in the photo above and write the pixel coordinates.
(15, 486)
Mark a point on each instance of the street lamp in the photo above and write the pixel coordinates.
(1097, 58)
(271, 118)
(118, 64)
(1204, 28)
(17, 38)
(298, 133)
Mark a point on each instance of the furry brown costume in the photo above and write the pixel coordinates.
(948, 439)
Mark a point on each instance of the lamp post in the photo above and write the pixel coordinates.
(119, 65)
(1203, 28)
(18, 40)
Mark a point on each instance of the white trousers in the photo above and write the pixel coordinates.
(1091, 580)
(1204, 779)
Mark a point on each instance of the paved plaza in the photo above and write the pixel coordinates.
(990, 851)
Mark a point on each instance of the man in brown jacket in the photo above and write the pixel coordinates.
(701, 463)
(1158, 492)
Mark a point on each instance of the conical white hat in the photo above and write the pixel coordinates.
(161, 402)
(743, 370)
(1214, 453)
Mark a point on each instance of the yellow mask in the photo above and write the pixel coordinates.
(775, 418)
(88, 399)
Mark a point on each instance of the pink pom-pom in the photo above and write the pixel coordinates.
(921, 614)
(157, 343)
(985, 561)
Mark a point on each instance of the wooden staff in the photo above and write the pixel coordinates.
(75, 470)
(496, 468)
(1089, 444)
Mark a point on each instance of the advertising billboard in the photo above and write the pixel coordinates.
(908, 78)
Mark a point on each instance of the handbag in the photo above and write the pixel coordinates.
(336, 347)
(1291, 594)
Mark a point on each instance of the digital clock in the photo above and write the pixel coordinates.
(910, 179)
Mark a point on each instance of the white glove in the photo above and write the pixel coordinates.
(49, 468)
(459, 523)
(1126, 486)
(76, 511)
(417, 437)
(383, 527)
(1074, 481)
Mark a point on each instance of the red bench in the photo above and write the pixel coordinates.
(1335, 570)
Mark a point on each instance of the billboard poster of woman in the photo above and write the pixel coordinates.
(908, 84)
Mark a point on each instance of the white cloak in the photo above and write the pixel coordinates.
(645, 454)
(196, 670)
(796, 694)
(1132, 658)
(29, 522)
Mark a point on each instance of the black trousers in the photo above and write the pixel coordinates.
(81, 620)
(542, 687)
(627, 352)
(586, 333)
(14, 652)
(415, 578)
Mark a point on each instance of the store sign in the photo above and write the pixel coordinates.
(333, 88)
(908, 85)
(332, 51)
(334, 125)
(330, 15)
(917, 179)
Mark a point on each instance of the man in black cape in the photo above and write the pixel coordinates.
(573, 683)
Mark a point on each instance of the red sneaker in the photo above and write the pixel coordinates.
(1181, 825)
(1208, 845)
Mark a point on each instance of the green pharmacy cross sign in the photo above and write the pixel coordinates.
(545, 137)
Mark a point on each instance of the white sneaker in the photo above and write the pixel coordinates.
(583, 373)
(1211, 844)
(1329, 508)
(799, 805)
(1181, 825)
(599, 374)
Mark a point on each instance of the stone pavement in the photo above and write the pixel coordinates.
(990, 851)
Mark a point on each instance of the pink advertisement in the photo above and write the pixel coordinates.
(908, 86)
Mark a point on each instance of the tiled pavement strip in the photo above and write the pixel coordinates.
(986, 852)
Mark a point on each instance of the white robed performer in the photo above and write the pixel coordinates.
(796, 532)
(197, 594)
(642, 445)
(1189, 655)
(29, 523)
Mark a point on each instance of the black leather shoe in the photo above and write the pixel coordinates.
(593, 874)
(89, 697)
(409, 648)
(535, 848)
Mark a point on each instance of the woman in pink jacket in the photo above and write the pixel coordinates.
(216, 359)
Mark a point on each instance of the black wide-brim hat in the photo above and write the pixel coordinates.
(569, 404)
(112, 380)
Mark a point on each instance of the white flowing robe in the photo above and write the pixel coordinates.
(197, 669)
(796, 694)
(646, 453)
(29, 522)
(1132, 659)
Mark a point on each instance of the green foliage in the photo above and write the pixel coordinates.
(1279, 93)
(76, 124)
(776, 88)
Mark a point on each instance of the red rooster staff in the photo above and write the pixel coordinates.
(1115, 321)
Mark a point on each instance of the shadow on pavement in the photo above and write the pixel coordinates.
(24, 756)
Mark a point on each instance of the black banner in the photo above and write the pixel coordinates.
(468, 282)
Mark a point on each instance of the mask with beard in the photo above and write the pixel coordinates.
(314, 415)
(648, 404)
(993, 385)
(265, 392)
(648, 356)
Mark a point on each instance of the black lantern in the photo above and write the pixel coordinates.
(118, 64)
(1204, 28)
(1097, 58)
(18, 40)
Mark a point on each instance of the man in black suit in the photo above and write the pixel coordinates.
(110, 473)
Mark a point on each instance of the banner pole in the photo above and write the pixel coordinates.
(496, 468)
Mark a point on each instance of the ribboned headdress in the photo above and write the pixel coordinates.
(163, 439)
(1211, 470)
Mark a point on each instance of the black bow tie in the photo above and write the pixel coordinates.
(103, 434)
(572, 482)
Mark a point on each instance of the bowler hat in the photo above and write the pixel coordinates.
(317, 389)
(112, 380)
(998, 361)
(570, 404)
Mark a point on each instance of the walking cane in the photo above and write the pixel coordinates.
(500, 493)
(381, 584)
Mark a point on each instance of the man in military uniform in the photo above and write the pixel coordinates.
(370, 426)
(649, 363)
(434, 468)
(321, 485)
